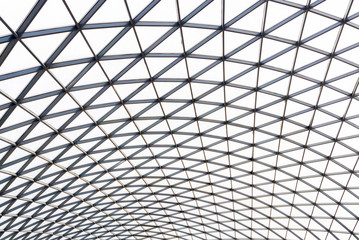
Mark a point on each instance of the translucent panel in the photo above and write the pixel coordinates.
(315, 23)
(234, 8)
(3, 32)
(43, 47)
(136, 7)
(8, 9)
(252, 21)
(191, 39)
(76, 49)
(100, 38)
(211, 14)
(277, 13)
(212, 47)
(80, 8)
(127, 44)
(164, 11)
(52, 14)
(326, 41)
(111, 11)
(14, 63)
(290, 30)
(331, 7)
(348, 37)
(15, 86)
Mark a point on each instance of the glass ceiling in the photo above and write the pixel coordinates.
(178, 119)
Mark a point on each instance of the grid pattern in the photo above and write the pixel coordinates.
(175, 119)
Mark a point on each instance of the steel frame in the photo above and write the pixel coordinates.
(122, 220)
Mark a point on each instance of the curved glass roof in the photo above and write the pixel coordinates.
(177, 119)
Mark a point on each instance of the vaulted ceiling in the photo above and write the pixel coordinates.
(176, 119)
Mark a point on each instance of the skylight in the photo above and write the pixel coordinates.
(176, 119)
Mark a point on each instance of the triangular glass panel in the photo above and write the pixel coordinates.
(185, 7)
(326, 41)
(66, 74)
(14, 86)
(195, 65)
(305, 57)
(290, 30)
(114, 67)
(13, 63)
(233, 40)
(135, 109)
(149, 35)
(193, 36)
(317, 71)
(60, 16)
(40, 105)
(338, 68)
(203, 109)
(109, 96)
(125, 90)
(348, 37)
(249, 79)
(252, 21)
(156, 65)
(64, 104)
(265, 99)
(40, 129)
(57, 122)
(111, 11)
(249, 53)
(334, 8)
(164, 11)
(8, 9)
(139, 71)
(94, 75)
(137, 7)
(284, 61)
(127, 44)
(277, 12)
(328, 95)
(310, 96)
(120, 113)
(17, 116)
(100, 38)
(303, 119)
(213, 10)
(2, 45)
(315, 23)
(81, 119)
(80, 8)
(246, 101)
(271, 47)
(14, 134)
(217, 95)
(76, 49)
(280, 86)
(233, 8)
(200, 89)
(172, 44)
(213, 47)
(183, 93)
(43, 85)
(44, 46)
(267, 76)
(84, 96)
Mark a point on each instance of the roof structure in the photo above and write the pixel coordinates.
(176, 119)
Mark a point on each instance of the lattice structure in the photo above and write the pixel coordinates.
(176, 119)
